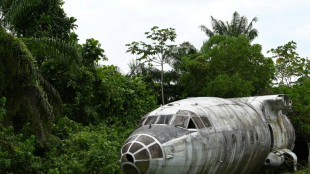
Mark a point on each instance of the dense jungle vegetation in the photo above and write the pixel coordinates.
(62, 112)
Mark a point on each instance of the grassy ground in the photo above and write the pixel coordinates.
(283, 170)
(303, 171)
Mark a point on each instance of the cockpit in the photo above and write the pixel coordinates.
(186, 121)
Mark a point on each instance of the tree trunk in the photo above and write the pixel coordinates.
(162, 82)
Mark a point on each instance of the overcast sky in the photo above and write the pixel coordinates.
(118, 22)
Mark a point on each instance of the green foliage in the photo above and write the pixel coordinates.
(17, 153)
(90, 149)
(123, 97)
(37, 18)
(152, 76)
(91, 95)
(92, 53)
(231, 58)
(158, 53)
(300, 95)
(11, 11)
(44, 49)
(79, 92)
(24, 87)
(2, 109)
(159, 46)
(183, 50)
(237, 26)
(225, 86)
(107, 103)
(288, 63)
(283, 169)
(102, 106)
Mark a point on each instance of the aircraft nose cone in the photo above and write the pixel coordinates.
(137, 153)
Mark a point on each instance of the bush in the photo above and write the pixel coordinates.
(122, 98)
(17, 153)
(88, 149)
(300, 96)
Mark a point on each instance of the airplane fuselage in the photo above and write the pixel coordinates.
(208, 135)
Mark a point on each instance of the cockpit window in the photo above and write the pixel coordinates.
(161, 119)
(206, 121)
(191, 124)
(185, 121)
(141, 122)
(168, 119)
(198, 122)
(150, 120)
(180, 121)
(164, 119)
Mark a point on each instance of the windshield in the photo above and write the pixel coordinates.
(181, 121)
(150, 120)
(178, 120)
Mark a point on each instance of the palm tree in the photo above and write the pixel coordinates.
(11, 10)
(237, 26)
(30, 98)
(24, 88)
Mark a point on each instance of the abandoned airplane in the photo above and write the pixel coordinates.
(208, 135)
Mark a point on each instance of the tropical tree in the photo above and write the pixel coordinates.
(172, 83)
(183, 50)
(92, 52)
(32, 101)
(289, 66)
(158, 53)
(237, 26)
(227, 66)
(25, 89)
(36, 18)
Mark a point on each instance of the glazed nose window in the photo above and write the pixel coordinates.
(137, 153)
(156, 151)
(145, 139)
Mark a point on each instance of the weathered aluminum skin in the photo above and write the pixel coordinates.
(236, 136)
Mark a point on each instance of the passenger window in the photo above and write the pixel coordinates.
(150, 120)
(198, 122)
(191, 124)
(206, 121)
(180, 121)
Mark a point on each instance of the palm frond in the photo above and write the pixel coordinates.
(253, 34)
(133, 67)
(55, 49)
(17, 8)
(27, 93)
(237, 26)
(250, 26)
(234, 21)
(216, 25)
(3, 3)
(240, 28)
(223, 28)
(53, 95)
(208, 32)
